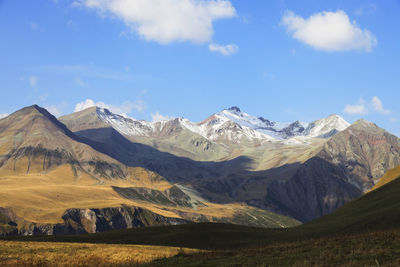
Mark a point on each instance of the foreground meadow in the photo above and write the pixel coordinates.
(14, 253)
(365, 249)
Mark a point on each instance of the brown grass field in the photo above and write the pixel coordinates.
(380, 248)
(14, 253)
(44, 197)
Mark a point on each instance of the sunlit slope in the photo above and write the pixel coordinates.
(171, 136)
(48, 173)
(377, 211)
(389, 176)
(34, 141)
(59, 254)
(44, 198)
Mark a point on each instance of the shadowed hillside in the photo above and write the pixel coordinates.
(376, 211)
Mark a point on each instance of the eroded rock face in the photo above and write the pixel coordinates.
(99, 220)
(317, 188)
(365, 151)
(347, 166)
(82, 221)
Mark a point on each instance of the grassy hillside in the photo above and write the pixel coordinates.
(378, 210)
(72, 254)
(367, 249)
(388, 177)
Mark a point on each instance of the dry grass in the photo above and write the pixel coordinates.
(44, 197)
(74, 254)
(366, 249)
(389, 176)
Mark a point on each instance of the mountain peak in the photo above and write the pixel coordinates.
(234, 108)
(364, 124)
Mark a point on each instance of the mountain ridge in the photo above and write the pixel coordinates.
(231, 123)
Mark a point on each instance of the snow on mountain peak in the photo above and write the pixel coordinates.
(231, 125)
(326, 127)
(125, 125)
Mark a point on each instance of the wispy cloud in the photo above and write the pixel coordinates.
(159, 117)
(363, 107)
(91, 71)
(366, 9)
(33, 80)
(56, 110)
(357, 109)
(168, 20)
(329, 31)
(378, 106)
(78, 81)
(226, 50)
(122, 109)
(3, 115)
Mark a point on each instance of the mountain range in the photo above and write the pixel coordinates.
(94, 170)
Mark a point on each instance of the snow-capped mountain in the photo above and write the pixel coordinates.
(229, 125)
(326, 127)
(132, 127)
(234, 124)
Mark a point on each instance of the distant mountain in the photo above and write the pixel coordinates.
(185, 170)
(177, 136)
(347, 166)
(33, 140)
(377, 210)
(233, 124)
(228, 126)
(303, 170)
(55, 181)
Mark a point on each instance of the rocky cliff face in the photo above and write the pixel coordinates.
(317, 188)
(82, 221)
(365, 151)
(99, 220)
(347, 166)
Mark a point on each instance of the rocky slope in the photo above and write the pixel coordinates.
(341, 169)
(33, 140)
(81, 221)
(177, 136)
(233, 125)
(303, 170)
(347, 166)
(46, 170)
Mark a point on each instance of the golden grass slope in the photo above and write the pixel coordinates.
(44, 197)
(77, 254)
(389, 176)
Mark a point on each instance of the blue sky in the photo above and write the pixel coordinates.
(283, 60)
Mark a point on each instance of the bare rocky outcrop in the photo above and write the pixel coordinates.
(82, 221)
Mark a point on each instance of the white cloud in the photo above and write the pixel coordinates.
(366, 9)
(378, 106)
(33, 80)
(3, 115)
(329, 31)
(158, 117)
(363, 108)
(226, 50)
(78, 81)
(56, 110)
(123, 109)
(166, 21)
(358, 109)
